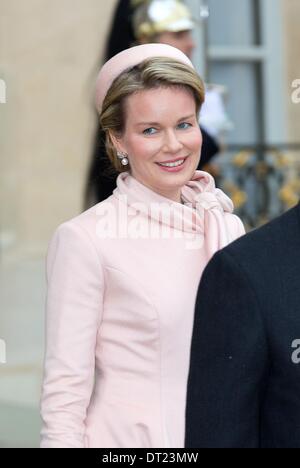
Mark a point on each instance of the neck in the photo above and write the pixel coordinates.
(173, 195)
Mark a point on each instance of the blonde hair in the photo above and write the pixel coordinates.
(150, 74)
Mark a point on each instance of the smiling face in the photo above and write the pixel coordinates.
(162, 139)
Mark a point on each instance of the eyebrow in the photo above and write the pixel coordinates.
(157, 123)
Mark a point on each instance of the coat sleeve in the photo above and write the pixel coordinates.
(73, 315)
(229, 360)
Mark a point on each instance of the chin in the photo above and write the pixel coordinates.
(177, 180)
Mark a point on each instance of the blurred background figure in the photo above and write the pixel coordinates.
(244, 50)
(171, 22)
(166, 21)
(48, 61)
(147, 21)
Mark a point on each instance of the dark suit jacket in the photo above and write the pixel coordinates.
(244, 381)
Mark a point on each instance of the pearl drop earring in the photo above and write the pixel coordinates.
(123, 158)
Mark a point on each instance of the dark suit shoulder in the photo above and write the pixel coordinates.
(268, 259)
(277, 238)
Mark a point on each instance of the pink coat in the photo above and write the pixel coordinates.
(120, 307)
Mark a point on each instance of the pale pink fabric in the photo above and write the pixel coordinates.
(129, 58)
(120, 316)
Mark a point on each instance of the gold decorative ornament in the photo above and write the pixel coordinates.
(157, 16)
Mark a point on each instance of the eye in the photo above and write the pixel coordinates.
(149, 131)
(184, 125)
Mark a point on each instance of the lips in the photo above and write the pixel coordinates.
(174, 166)
(172, 160)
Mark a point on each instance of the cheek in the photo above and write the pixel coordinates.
(143, 148)
(196, 141)
(135, 146)
(200, 139)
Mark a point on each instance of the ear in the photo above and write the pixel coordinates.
(116, 141)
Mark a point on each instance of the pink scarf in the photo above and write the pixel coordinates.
(202, 214)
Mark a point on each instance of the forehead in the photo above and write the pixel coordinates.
(160, 101)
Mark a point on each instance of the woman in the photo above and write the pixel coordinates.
(123, 275)
(141, 22)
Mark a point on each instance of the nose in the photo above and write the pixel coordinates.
(171, 142)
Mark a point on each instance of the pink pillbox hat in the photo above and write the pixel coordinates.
(129, 58)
